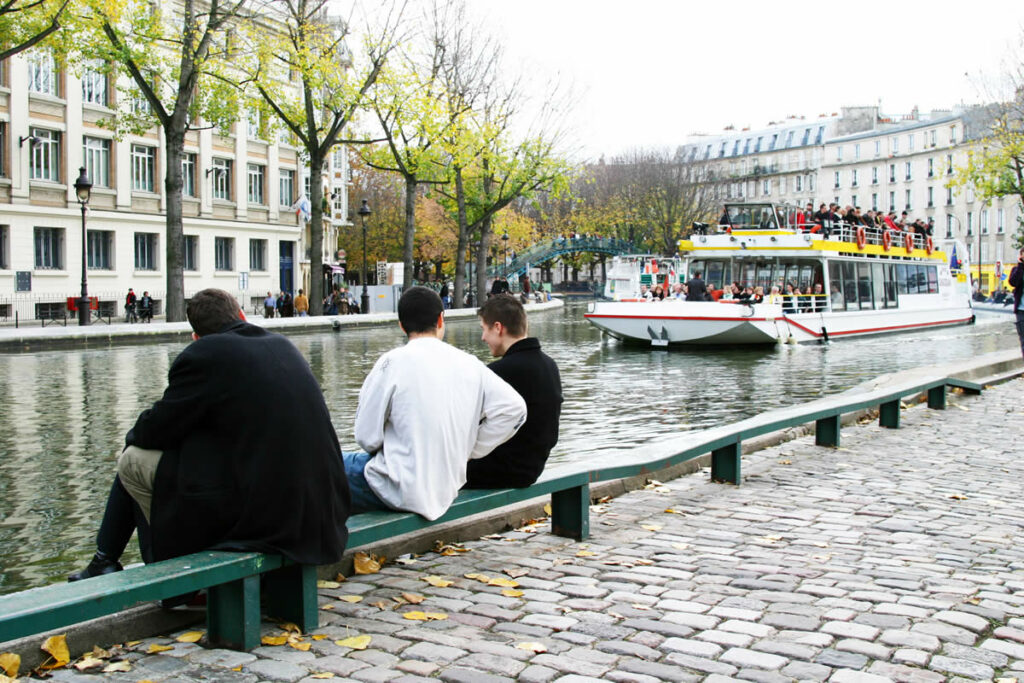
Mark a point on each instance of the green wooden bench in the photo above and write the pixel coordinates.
(233, 580)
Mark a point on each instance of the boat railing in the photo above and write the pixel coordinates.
(845, 232)
(804, 303)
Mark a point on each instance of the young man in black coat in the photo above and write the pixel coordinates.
(519, 461)
(1017, 282)
(204, 469)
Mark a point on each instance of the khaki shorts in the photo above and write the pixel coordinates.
(137, 469)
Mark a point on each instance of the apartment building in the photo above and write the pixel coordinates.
(861, 158)
(242, 233)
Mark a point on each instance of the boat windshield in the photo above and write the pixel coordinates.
(765, 273)
(746, 216)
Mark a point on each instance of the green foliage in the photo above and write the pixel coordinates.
(28, 23)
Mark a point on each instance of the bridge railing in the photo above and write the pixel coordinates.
(542, 251)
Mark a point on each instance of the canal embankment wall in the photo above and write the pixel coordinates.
(148, 620)
(98, 335)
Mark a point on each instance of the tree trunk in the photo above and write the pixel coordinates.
(485, 237)
(458, 296)
(174, 306)
(316, 234)
(410, 231)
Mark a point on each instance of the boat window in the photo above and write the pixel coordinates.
(835, 288)
(902, 281)
(850, 286)
(878, 285)
(864, 286)
(806, 278)
(891, 299)
(747, 279)
(764, 276)
(933, 279)
(920, 284)
(695, 267)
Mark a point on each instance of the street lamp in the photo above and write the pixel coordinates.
(83, 188)
(504, 239)
(473, 246)
(364, 300)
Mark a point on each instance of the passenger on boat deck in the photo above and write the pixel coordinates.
(745, 296)
(758, 295)
(775, 297)
(836, 295)
(818, 302)
(645, 292)
(724, 218)
(789, 300)
(677, 291)
(659, 293)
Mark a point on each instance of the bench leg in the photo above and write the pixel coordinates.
(233, 614)
(889, 414)
(725, 464)
(937, 398)
(290, 595)
(570, 512)
(826, 431)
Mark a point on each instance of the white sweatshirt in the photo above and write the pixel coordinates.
(424, 410)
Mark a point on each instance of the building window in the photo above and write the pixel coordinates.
(287, 187)
(983, 221)
(892, 201)
(141, 106)
(820, 136)
(775, 141)
(907, 171)
(96, 156)
(766, 187)
(894, 145)
(853, 180)
(252, 126)
(100, 252)
(49, 244)
(931, 197)
(145, 250)
(223, 253)
(838, 175)
(257, 254)
(949, 164)
(807, 136)
(952, 135)
(94, 85)
(721, 150)
(5, 239)
(932, 135)
(874, 175)
(789, 138)
(839, 152)
(931, 167)
(910, 142)
(853, 200)
(191, 253)
(798, 183)
(874, 201)
(43, 76)
(44, 157)
(143, 168)
(810, 182)
(970, 223)
(878, 148)
(892, 173)
(949, 196)
(907, 197)
(188, 175)
(3, 149)
(222, 179)
(970, 193)
(949, 226)
(746, 146)
(1000, 227)
(256, 174)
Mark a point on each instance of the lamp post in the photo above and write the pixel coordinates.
(504, 265)
(473, 246)
(364, 300)
(83, 189)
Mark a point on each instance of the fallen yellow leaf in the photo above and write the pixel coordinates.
(413, 598)
(57, 648)
(301, 646)
(511, 593)
(584, 553)
(340, 578)
(274, 640)
(366, 564)
(117, 667)
(10, 663)
(154, 648)
(132, 643)
(289, 627)
(351, 598)
(478, 577)
(532, 647)
(355, 642)
(436, 616)
(320, 636)
(547, 509)
(328, 584)
(322, 674)
(424, 616)
(673, 511)
(437, 581)
(88, 662)
(651, 527)
(503, 582)
(190, 637)
(958, 496)
(515, 572)
(382, 604)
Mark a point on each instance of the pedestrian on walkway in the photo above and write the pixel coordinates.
(302, 304)
(129, 307)
(268, 306)
(424, 411)
(520, 460)
(1017, 282)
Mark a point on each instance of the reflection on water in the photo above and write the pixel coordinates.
(65, 413)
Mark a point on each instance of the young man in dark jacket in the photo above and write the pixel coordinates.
(1017, 282)
(519, 461)
(204, 470)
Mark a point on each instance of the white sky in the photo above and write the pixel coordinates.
(651, 72)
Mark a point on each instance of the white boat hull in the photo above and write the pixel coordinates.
(709, 323)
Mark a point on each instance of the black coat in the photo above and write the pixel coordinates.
(520, 460)
(1017, 282)
(250, 457)
(696, 290)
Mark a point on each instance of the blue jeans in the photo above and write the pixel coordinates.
(363, 497)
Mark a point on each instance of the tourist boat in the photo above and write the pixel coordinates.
(855, 281)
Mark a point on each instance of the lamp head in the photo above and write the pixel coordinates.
(83, 186)
(364, 210)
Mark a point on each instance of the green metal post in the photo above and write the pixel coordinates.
(290, 595)
(725, 464)
(826, 431)
(570, 512)
(233, 614)
(889, 414)
(937, 397)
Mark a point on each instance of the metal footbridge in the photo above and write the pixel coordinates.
(549, 249)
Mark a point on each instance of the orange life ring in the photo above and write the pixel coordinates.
(886, 240)
(928, 245)
(908, 242)
(862, 237)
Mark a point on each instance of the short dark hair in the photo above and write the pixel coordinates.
(504, 309)
(211, 310)
(418, 309)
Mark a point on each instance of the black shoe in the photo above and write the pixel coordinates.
(99, 565)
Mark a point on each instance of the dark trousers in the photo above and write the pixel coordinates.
(1020, 329)
(121, 517)
(268, 311)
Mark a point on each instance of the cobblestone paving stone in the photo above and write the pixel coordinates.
(897, 557)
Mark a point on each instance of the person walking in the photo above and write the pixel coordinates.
(1017, 282)
(302, 304)
(268, 306)
(129, 307)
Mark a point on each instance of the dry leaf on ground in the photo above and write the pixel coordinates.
(515, 572)
(585, 553)
(512, 593)
(57, 648)
(367, 564)
(10, 663)
(547, 509)
(322, 674)
(651, 527)
(300, 645)
(88, 662)
(503, 582)
(155, 649)
(274, 640)
(424, 616)
(328, 584)
(413, 598)
(320, 636)
(532, 647)
(351, 598)
(190, 637)
(355, 642)
(436, 581)
(117, 667)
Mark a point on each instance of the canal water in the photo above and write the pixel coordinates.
(65, 413)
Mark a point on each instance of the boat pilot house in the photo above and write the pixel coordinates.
(799, 277)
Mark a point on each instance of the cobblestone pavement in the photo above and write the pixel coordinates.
(899, 556)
